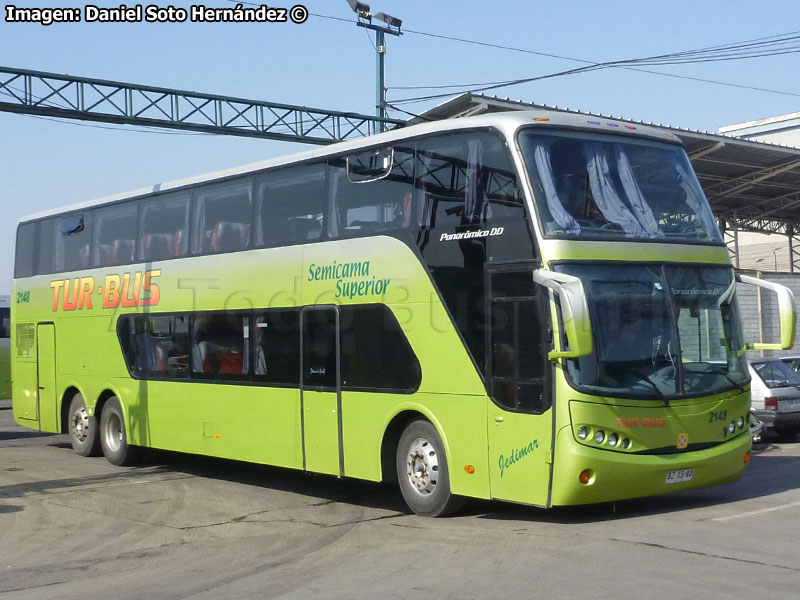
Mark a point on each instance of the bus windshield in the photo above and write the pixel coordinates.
(660, 331)
(610, 187)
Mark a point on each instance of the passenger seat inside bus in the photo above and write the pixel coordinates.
(303, 228)
(84, 254)
(157, 246)
(228, 236)
(178, 246)
(103, 254)
(123, 251)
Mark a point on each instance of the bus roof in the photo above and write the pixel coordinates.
(508, 122)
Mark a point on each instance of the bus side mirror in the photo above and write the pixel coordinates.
(574, 312)
(786, 311)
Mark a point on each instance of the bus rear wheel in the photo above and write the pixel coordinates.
(422, 472)
(113, 437)
(82, 428)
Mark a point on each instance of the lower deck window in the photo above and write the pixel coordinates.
(156, 345)
(263, 347)
(220, 345)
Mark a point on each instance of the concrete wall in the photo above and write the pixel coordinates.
(786, 137)
(782, 129)
(767, 323)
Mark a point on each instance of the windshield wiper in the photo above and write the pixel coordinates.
(712, 368)
(644, 377)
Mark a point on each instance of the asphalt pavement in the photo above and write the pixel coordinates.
(180, 526)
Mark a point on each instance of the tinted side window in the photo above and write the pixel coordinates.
(263, 346)
(220, 345)
(164, 227)
(375, 351)
(45, 240)
(114, 240)
(466, 179)
(319, 348)
(156, 345)
(276, 346)
(5, 322)
(518, 339)
(34, 251)
(73, 235)
(371, 191)
(223, 217)
(25, 256)
(290, 205)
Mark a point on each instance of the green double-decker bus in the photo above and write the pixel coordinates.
(534, 307)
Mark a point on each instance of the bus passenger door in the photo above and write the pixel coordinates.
(521, 414)
(46, 396)
(321, 390)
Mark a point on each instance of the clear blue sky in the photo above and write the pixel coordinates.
(330, 64)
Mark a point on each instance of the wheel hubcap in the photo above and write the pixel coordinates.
(422, 465)
(113, 433)
(79, 424)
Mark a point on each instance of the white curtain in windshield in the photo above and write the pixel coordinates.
(692, 199)
(638, 203)
(604, 186)
(605, 196)
(563, 218)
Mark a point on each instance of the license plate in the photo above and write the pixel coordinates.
(680, 475)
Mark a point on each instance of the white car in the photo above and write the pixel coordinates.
(775, 395)
(756, 427)
(792, 361)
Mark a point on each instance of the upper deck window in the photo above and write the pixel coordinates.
(25, 256)
(466, 180)
(223, 216)
(73, 238)
(114, 240)
(370, 192)
(290, 205)
(610, 187)
(164, 227)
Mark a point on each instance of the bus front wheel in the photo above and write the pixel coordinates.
(422, 471)
(113, 438)
(82, 428)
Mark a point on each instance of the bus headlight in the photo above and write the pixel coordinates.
(599, 436)
(740, 422)
(583, 433)
(732, 427)
(613, 438)
(626, 443)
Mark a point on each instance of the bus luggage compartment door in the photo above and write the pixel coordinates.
(46, 376)
(321, 391)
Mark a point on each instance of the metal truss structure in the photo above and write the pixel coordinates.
(766, 199)
(66, 96)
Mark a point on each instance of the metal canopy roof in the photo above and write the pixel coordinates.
(752, 186)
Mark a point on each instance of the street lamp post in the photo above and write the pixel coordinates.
(392, 27)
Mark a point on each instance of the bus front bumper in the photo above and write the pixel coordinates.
(620, 475)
